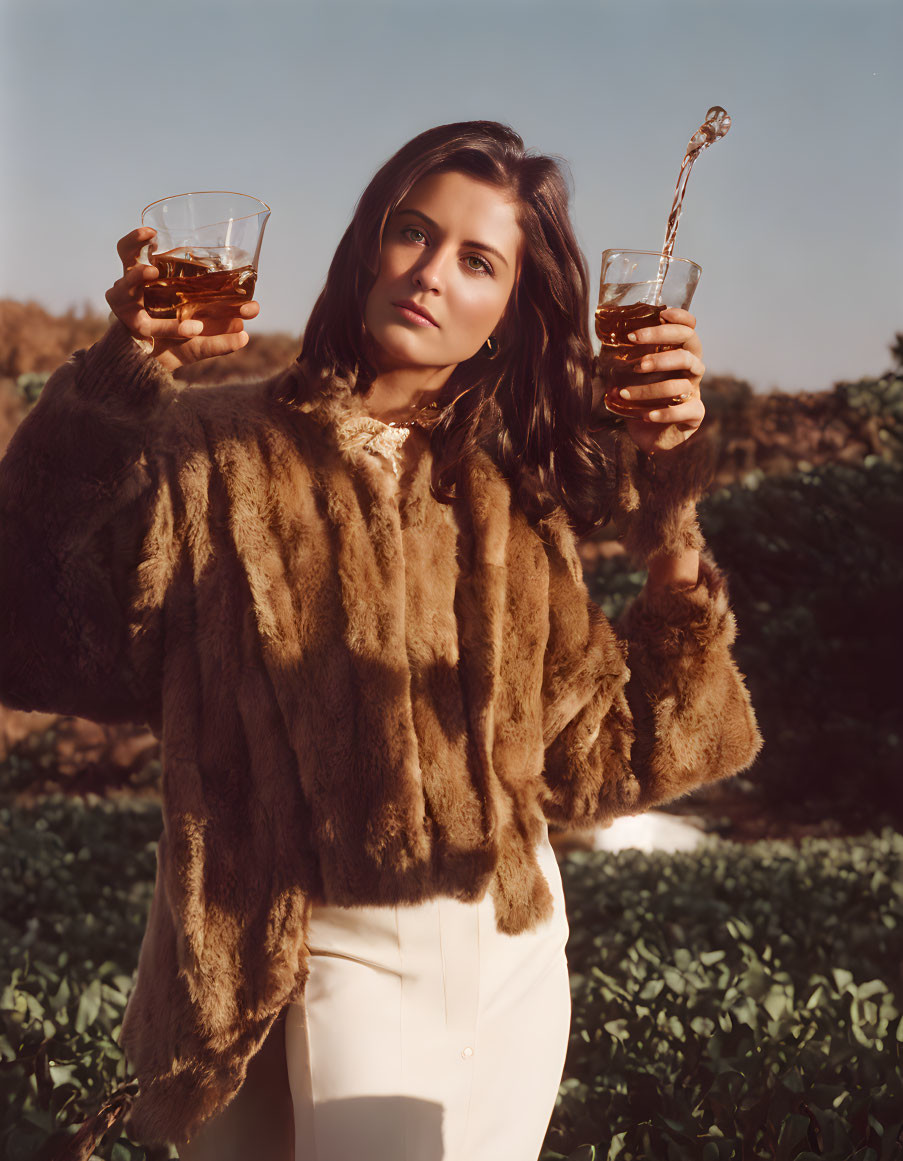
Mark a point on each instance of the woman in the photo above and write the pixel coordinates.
(349, 602)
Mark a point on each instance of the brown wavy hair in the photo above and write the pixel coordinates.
(529, 406)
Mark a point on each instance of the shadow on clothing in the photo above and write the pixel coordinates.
(259, 1124)
(377, 1128)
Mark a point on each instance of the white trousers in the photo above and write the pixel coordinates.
(427, 1035)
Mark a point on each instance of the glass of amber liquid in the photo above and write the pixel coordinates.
(635, 287)
(206, 249)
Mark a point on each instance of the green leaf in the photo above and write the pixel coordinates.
(739, 928)
(61, 998)
(651, 989)
(794, 1131)
(61, 1073)
(777, 1003)
(675, 980)
(88, 1006)
(872, 988)
(618, 1144)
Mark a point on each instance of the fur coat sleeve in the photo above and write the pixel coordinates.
(642, 712)
(80, 492)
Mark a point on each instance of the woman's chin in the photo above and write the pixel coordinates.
(402, 355)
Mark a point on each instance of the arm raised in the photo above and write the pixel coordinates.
(87, 540)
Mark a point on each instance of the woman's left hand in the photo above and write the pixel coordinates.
(662, 375)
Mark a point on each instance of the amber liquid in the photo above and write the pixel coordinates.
(613, 325)
(192, 286)
(614, 321)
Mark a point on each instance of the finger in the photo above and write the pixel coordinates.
(168, 328)
(662, 382)
(692, 412)
(220, 313)
(129, 247)
(676, 314)
(133, 315)
(664, 389)
(126, 295)
(670, 335)
(126, 300)
(220, 325)
(661, 362)
(136, 278)
(223, 344)
(127, 292)
(664, 362)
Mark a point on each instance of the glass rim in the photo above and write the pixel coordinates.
(196, 192)
(650, 253)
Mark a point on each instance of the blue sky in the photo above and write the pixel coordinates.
(796, 217)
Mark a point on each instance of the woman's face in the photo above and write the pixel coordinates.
(448, 264)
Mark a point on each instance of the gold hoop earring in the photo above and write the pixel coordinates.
(491, 347)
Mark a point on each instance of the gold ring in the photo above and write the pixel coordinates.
(675, 399)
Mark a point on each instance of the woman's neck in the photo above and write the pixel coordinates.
(395, 394)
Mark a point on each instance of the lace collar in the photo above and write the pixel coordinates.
(364, 432)
(334, 405)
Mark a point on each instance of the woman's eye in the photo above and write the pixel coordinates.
(475, 263)
(481, 265)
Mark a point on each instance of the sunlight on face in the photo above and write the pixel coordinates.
(448, 264)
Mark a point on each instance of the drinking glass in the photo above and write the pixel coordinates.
(635, 287)
(206, 249)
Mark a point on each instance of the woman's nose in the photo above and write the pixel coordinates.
(428, 273)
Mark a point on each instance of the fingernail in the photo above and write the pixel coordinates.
(624, 393)
(645, 364)
(632, 337)
(192, 328)
(654, 414)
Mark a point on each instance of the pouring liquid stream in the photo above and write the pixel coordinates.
(627, 302)
(714, 127)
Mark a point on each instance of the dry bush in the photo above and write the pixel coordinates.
(31, 339)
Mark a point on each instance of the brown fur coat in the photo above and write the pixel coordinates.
(362, 695)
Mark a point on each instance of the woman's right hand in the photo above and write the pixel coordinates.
(176, 344)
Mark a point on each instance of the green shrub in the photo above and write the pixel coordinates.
(30, 384)
(76, 881)
(735, 1002)
(815, 569)
(881, 399)
(734, 994)
(815, 562)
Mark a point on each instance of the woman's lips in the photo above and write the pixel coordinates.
(415, 314)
